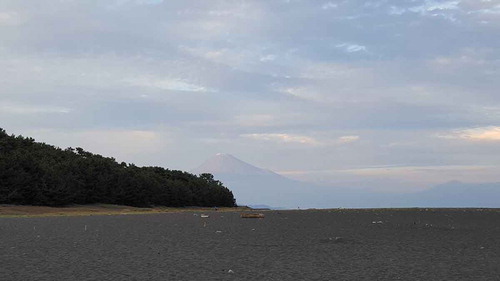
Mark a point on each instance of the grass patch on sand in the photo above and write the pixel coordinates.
(98, 209)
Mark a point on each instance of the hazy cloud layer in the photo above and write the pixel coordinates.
(327, 90)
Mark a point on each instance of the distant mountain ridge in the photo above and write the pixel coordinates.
(256, 186)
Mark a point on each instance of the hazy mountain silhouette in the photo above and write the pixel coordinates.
(252, 185)
(223, 163)
(256, 186)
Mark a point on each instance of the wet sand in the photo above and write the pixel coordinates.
(416, 244)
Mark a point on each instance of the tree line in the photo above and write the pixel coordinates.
(34, 173)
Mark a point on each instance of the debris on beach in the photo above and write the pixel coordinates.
(332, 239)
(230, 271)
(252, 216)
(338, 240)
(377, 222)
(204, 216)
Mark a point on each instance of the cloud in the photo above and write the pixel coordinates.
(302, 93)
(430, 6)
(329, 5)
(396, 10)
(283, 138)
(124, 145)
(351, 48)
(136, 141)
(348, 139)
(444, 9)
(482, 7)
(256, 120)
(427, 7)
(166, 84)
(397, 170)
(10, 19)
(23, 109)
(495, 11)
(301, 139)
(484, 134)
(149, 2)
(267, 58)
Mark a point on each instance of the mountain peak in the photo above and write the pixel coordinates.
(223, 163)
(224, 155)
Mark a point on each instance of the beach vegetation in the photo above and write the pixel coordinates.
(35, 173)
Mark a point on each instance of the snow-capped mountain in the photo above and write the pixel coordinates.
(252, 185)
(256, 186)
(223, 163)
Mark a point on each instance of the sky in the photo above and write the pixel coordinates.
(389, 95)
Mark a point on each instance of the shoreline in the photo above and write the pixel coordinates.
(18, 211)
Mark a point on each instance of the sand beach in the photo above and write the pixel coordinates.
(340, 244)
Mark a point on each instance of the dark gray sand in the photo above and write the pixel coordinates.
(285, 245)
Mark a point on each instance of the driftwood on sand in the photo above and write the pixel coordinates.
(252, 216)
